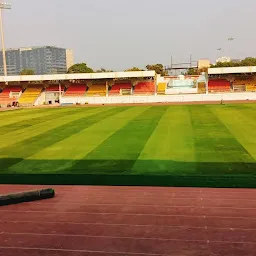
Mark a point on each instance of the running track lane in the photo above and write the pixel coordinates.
(112, 221)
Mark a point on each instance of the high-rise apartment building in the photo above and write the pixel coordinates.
(43, 60)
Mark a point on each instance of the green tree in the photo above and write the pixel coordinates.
(192, 72)
(196, 71)
(134, 69)
(249, 61)
(27, 72)
(225, 64)
(103, 70)
(159, 68)
(80, 68)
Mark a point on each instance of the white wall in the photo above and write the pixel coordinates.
(180, 90)
(160, 99)
(40, 100)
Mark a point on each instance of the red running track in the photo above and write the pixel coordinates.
(123, 221)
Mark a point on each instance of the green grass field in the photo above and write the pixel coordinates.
(196, 145)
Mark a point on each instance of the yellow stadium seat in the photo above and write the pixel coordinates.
(161, 87)
(201, 88)
(30, 95)
(96, 90)
(248, 84)
(250, 87)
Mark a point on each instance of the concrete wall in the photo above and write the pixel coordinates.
(159, 99)
(40, 100)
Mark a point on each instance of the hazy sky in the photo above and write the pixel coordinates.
(118, 34)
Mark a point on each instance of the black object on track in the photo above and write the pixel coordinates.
(29, 196)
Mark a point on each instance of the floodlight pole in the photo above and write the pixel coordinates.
(3, 6)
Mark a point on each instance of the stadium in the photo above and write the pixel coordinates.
(229, 84)
(120, 143)
(136, 163)
(174, 157)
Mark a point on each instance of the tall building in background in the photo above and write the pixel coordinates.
(43, 60)
(69, 58)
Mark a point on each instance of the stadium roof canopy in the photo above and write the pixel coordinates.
(86, 76)
(231, 70)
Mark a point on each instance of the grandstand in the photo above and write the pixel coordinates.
(30, 95)
(219, 85)
(100, 88)
(76, 90)
(121, 88)
(234, 79)
(9, 95)
(145, 88)
(244, 84)
(54, 88)
(251, 87)
(161, 87)
(52, 93)
(97, 89)
(239, 85)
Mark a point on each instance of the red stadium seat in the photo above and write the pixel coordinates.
(76, 90)
(145, 88)
(6, 97)
(117, 88)
(54, 88)
(219, 85)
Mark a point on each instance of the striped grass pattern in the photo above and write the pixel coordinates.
(144, 140)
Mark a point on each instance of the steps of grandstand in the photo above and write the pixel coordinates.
(161, 87)
(248, 85)
(76, 90)
(96, 90)
(54, 88)
(219, 85)
(121, 89)
(145, 88)
(30, 95)
(251, 88)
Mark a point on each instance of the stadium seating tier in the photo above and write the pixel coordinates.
(30, 95)
(76, 90)
(219, 85)
(6, 97)
(54, 88)
(96, 90)
(161, 87)
(117, 88)
(145, 88)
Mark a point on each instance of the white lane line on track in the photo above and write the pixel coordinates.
(130, 238)
(137, 212)
(140, 205)
(131, 214)
(80, 251)
(129, 225)
(95, 197)
(159, 193)
(79, 199)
